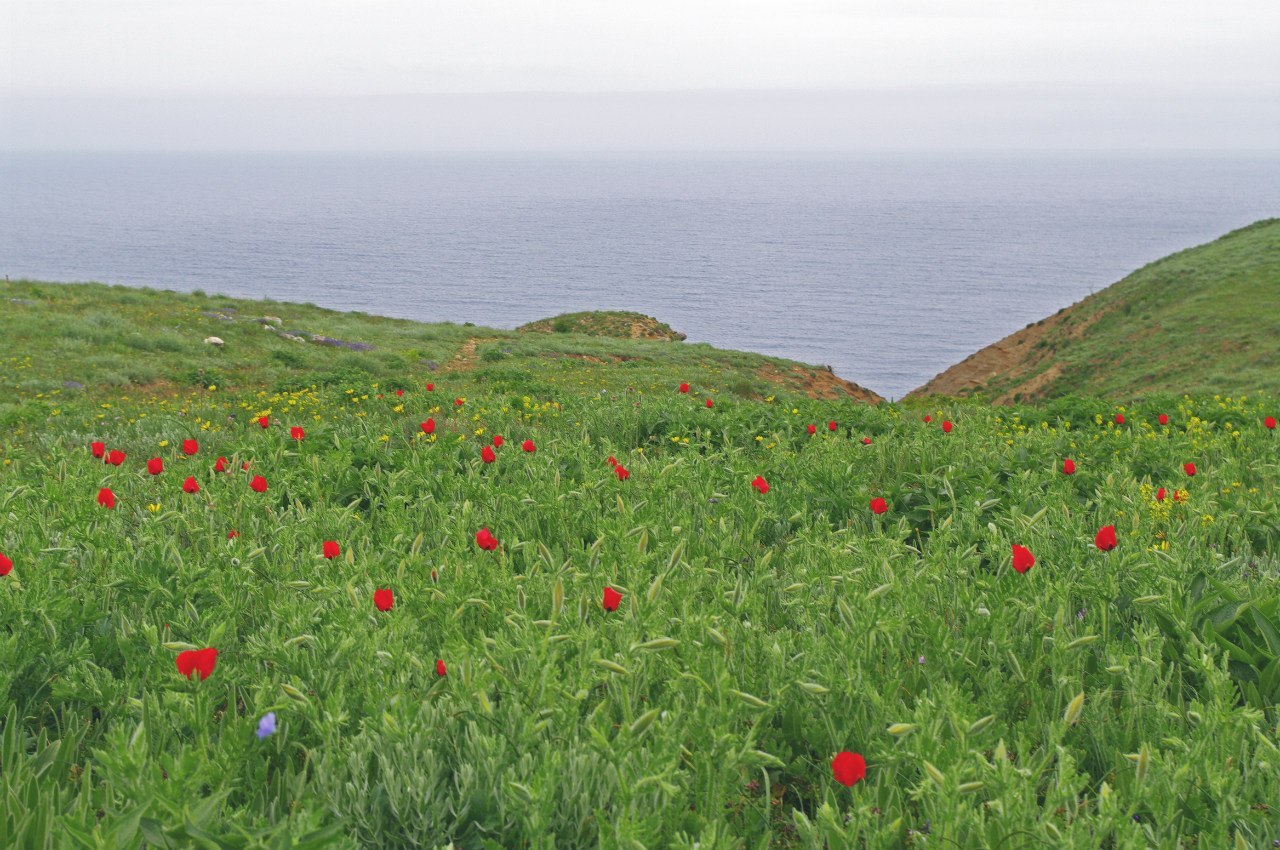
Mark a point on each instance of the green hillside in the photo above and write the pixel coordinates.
(1204, 320)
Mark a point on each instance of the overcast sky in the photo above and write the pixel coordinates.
(983, 73)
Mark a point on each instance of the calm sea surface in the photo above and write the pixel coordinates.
(889, 269)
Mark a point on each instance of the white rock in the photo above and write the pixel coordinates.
(213, 340)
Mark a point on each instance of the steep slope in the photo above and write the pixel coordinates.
(1206, 319)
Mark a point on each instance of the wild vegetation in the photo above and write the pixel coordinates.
(552, 597)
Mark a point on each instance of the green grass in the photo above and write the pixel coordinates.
(1123, 699)
(1204, 320)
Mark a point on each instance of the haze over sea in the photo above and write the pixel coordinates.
(887, 268)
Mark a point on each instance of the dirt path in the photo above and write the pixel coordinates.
(465, 359)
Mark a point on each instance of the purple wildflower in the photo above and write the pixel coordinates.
(267, 725)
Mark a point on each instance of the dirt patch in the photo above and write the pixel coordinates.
(816, 383)
(465, 359)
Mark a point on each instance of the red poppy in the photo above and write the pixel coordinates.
(812, 429)
(848, 768)
(1023, 560)
(621, 472)
(457, 402)
(115, 457)
(613, 461)
(106, 498)
(399, 392)
(485, 540)
(1269, 423)
(866, 441)
(232, 534)
(383, 599)
(200, 661)
(1163, 419)
(98, 449)
(946, 426)
(760, 484)
(831, 426)
(709, 404)
(1119, 418)
(684, 388)
(1068, 467)
(258, 484)
(297, 433)
(879, 505)
(221, 465)
(155, 466)
(264, 421)
(428, 427)
(190, 447)
(6, 566)
(928, 418)
(1106, 538)
(431, 388)
(244, 467)
(528, 446)
(487, 455)
(1189, 468)
(498, 441)
(1160, 495)
(440, 669)
(612, 599)
(331, 550)
(190, 485)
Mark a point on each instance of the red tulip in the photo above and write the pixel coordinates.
(98, 449)
(1190, 469)
(264, 421)
(1023, 560)
(440, 669)
(383, 599)
(190, 447)
(684, 388)
(1160, 495)
(331, 550)
(155, 466)
(812, 429)
(1163, 419)
(848, 768)
(485, 540)
(106, 498)
(831, 426)
(1106, 538)
(115, 457)
(431, 388)
(487, 455)
(399, 392)
(866, 441)
(200, 661)
(190, 485)
(621, 472)
(612, 599)
(528, 446)
(221, 465)
(709, 404)
(613, 461)
(244, 467)
(232, 534)
(258, 484)
(498, 441)
(1269, 423)
(1068, 467)
(879, 505)
(6, 566)
(297, 433)
(928, 418)
(457, 402)
(760, 484)
(428, 427)
(946, 427)
(1119, 418)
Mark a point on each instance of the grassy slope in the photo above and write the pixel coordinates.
(1203, 320)
(109, 336)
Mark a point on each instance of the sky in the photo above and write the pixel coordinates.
(659, 74)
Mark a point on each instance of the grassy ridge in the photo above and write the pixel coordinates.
(1203, 320)
(1120, 698)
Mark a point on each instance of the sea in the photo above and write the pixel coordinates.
(887, 268)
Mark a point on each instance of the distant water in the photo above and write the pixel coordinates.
(888, 269)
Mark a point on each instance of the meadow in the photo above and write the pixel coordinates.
(558, 601)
